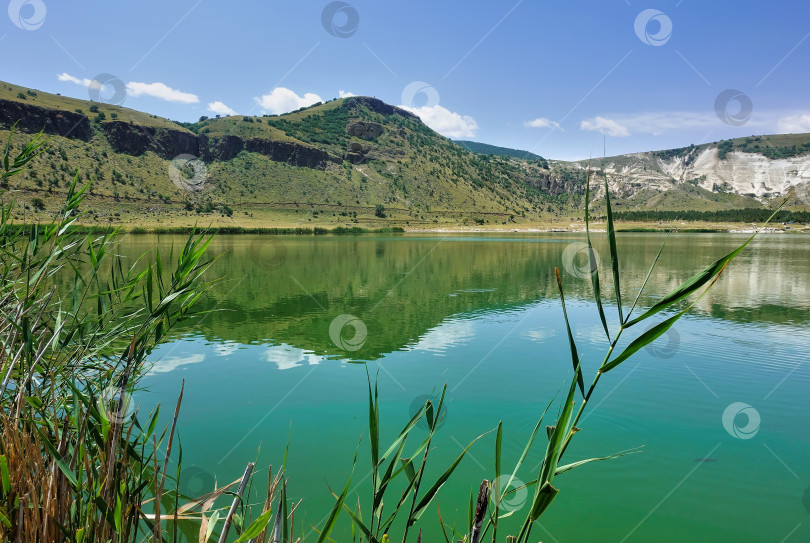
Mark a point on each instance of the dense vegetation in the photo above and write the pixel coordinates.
(487, 149)
(420, 177)
(726, 215)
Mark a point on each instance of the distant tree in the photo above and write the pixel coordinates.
(38, 204)
(203, 118)
(114, 115)
(94, 108)
(379, 211)
(21, 95)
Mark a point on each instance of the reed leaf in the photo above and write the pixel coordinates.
(614, 253)
(572, 345)
(431, 493)
(256, 527)
(573, 465)
(331, 519)
(640, 342)
(592, 256)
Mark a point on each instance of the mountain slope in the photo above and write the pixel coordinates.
(487, 149)
(332, 163)
(741, 172)
(356, 161)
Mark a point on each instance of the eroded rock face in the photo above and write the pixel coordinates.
(555, 184)
(377, 106)
(226, 147)
(364, 130)
(292, 153)
(33, 118)
(134, 139)
(355, 153)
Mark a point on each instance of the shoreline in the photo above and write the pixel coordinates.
(529, 228)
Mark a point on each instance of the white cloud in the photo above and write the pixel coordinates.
(656, 123)
(541, 122)
(135, 89)
(345, 94)
(226, 348)
(283, 100)
(445, 122)
(161, 91)
(166, 365)
(540, 335)
(446, 335)
(220, 108)
(612, 127)
(287, 357)
(794, 124)
(67, 77)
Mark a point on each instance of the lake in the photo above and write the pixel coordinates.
(719, 403)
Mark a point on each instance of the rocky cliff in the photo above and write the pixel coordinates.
(377, 106)
(33, 118)
(135, 140)
(735, 172)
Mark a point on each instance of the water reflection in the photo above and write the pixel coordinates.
(404, 289)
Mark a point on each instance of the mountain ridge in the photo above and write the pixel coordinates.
(358, 159)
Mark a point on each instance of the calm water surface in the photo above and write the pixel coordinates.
(481, 314)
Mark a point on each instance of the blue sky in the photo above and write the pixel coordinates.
(547, 76)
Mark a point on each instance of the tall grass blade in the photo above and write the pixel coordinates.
(331, 520)
(573, 465)
(431, 493)
(614, 253)
(571, 343)
(594, 269)
(640, 342)
(256, 527)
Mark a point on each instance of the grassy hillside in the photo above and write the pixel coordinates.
(487, 149)
(407, 175)
(17, 93)
(347, 162)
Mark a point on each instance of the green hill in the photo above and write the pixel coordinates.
(487, 149)
(347, 162)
